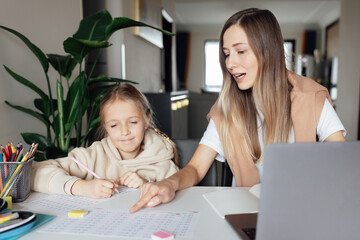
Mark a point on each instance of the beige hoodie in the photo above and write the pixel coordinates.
(57, 176)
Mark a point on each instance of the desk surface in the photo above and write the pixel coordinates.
(210, 225)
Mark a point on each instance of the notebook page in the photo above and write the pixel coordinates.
(232, 201)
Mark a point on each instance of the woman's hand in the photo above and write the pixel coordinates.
(96, 188)
(152, 194)
(131, 179)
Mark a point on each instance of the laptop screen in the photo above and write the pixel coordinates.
(310, 191)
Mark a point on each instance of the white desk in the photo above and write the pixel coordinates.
(210, 225)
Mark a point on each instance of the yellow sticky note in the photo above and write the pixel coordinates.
(8, 199)
(77, 213)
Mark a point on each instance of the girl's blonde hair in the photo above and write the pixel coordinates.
(127, 92)
(271, 91)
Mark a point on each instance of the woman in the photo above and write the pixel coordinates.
(260, 103)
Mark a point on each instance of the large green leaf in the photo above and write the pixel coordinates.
(96, 93)
(89, 36)
(63, 64)
(43, 142)
(52, 152)
(27, 83)
(93, 27)
(103, 78)
(80, 48)
(39, 156)
(94, 123)
(31, 112)
(94, 44)
(124, 22)
(44, 106)
(38, 53)
(73, 99)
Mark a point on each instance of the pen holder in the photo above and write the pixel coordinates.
(20, 188)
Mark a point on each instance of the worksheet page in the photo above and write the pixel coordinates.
(121, 223)
(62, 204)
(110, 222)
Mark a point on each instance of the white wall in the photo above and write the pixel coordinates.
(349, 67)
(47, 23)
(142, 58)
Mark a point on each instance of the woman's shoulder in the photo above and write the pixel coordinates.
(304, 84)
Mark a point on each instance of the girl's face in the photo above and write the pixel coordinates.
(125, 124)
(240, 60)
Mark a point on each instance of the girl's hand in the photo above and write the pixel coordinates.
(96, 188)
(131, 179)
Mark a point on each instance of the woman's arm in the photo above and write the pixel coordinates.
(153, 194)
(336, 137)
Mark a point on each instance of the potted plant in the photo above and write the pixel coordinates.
(63, 115)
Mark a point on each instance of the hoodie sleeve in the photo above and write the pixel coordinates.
(56, 176)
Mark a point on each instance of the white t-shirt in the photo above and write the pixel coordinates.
(328, 124)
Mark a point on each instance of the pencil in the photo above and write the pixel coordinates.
(85, 167)
(88, 169)
(34, 150)
(12, 148)
(4, 160)
(19, 156)
(1, 172)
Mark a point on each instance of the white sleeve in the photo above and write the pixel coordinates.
(211, 139)
(329, 122)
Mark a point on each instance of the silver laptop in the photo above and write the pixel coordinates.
(309, 191)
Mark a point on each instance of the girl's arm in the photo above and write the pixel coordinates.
(153, 194)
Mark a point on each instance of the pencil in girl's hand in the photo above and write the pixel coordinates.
(88, 170)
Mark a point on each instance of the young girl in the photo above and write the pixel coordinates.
(260, 102)
(134, 152)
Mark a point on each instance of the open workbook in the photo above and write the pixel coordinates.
(234, 200)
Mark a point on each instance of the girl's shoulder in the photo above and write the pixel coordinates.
(152, 138)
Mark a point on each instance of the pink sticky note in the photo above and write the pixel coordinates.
(162, 235)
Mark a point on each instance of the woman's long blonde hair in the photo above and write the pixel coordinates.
(271, 91)
(129, 93)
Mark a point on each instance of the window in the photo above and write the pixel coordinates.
(213, 73)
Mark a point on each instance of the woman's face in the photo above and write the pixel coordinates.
(240, 60)
(125, 124)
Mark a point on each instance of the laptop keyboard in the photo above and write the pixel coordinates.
(250, 232)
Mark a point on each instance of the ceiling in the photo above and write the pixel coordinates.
(190, 14)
